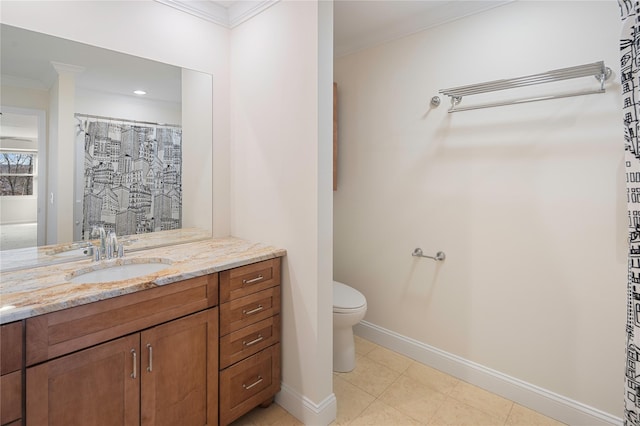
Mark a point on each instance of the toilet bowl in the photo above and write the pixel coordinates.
(349, 307)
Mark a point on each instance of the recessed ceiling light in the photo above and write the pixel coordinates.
(139, 92)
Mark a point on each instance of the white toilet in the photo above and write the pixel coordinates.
(349, 307)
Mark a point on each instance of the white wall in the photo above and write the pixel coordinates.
(281, 111)
(94, 102)
(197, 153)
(60, 158)
(527, 201)
(154, 31)
(20, 209)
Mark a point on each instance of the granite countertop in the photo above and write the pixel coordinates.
(35, 291)
(11, 260)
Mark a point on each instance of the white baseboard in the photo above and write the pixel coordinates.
(306, 410)
(541, 400)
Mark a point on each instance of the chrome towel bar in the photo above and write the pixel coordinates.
(596, 69)
(438, 257)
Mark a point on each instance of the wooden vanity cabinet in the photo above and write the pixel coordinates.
(148, 358)
(11, 373)
(249, 338)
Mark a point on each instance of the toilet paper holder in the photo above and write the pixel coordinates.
(438, 257)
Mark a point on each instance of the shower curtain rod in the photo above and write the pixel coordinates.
(99, 117)
(596, 69)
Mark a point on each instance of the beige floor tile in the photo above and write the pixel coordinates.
(379, 413)
(363, 346)
(370, 376)
(390, 359)
(412, 398)
(522, 416)
(456, 413)
(389, 389)
(435, 379)
(352, 400)
(492, 404)
(272, 415)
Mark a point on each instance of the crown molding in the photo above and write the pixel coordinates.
(241, 11)
(66, 68)
(233, 15)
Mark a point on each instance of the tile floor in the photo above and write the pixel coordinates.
(389, 389)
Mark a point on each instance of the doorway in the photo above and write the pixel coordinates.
(22, 182)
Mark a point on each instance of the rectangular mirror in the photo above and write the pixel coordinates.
(52, 88)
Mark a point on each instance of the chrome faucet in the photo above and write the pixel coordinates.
(112, 245)
(98, 231)
(109, 248)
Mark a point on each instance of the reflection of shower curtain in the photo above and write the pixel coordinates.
(630, 79)
(132, 176)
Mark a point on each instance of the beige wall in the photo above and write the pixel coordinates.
(527, 201)
(281, 180)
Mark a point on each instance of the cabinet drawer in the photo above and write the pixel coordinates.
(249, 383)
(247, 310)
(10, 347)
(62, 332)
(249, 340)
(10, 397)
(239, 282)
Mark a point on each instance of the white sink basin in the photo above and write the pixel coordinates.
(76, 252)
(118, 272)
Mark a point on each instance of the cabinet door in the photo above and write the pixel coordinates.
(11, 372)
(179, 377)
(97, 386)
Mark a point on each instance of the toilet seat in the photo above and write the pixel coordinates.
(347, 299)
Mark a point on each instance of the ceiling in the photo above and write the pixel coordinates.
(359, 24)
(26, 56)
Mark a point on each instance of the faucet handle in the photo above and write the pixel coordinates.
(112, 245)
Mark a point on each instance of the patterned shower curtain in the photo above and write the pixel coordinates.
(630, 80)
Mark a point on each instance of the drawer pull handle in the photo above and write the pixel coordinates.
(254, 280)
(253, 384)
(252, 311)
(150, 366)
(133, 352)
(254, 341)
